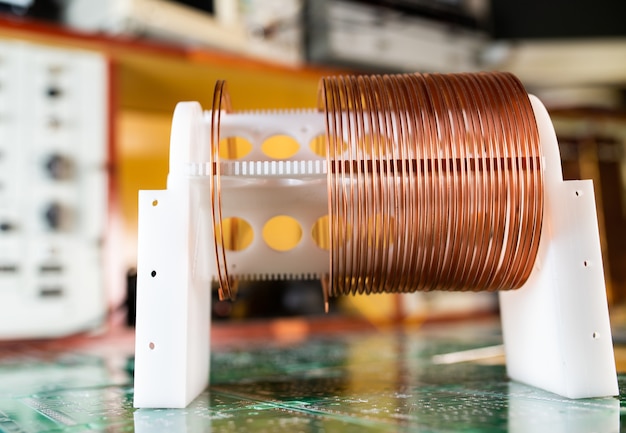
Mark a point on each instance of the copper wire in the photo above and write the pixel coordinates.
(440, 186)
(434, 182)
(221, 101)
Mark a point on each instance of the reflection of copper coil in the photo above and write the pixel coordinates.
(434, 182)
(440, 186)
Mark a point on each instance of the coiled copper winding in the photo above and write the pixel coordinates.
(435, 182)
(221, 101)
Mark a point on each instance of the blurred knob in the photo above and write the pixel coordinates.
(58, 167)
(53, 216)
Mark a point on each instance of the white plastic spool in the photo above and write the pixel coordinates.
(556, 327)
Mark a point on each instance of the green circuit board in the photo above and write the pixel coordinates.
(358, 382)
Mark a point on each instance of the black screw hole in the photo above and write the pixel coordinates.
(153, 273)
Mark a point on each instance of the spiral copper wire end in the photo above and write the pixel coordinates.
(325, 281)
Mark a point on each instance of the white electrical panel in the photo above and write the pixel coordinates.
(54, 149)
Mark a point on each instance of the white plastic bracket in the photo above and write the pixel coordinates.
(556, 327)
(173, 304)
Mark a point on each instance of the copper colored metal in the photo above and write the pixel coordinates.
(435, 182)
(221, 101)
(438, 185)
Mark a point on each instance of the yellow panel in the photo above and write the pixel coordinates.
(142, 158)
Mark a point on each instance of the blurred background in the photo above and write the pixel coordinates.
(88, 88)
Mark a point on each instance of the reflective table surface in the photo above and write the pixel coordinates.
(430, 379)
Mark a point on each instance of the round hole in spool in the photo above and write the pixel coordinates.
(155, 202)
(234, 147)
(376, 145)
(585, 263)
(578, 193)
(282, 233)
(153, 274)
(320, 233)
(280, 146)
(318, 146)
(237, 234)
(595, 335)
(151, 345)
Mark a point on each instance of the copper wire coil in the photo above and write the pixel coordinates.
(441, 184)
(434, 182)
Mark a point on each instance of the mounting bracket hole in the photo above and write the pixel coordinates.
(585, 263)
(155, 202)
(151, 346)
(578, 193)
(595, 335)
(153, 274)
